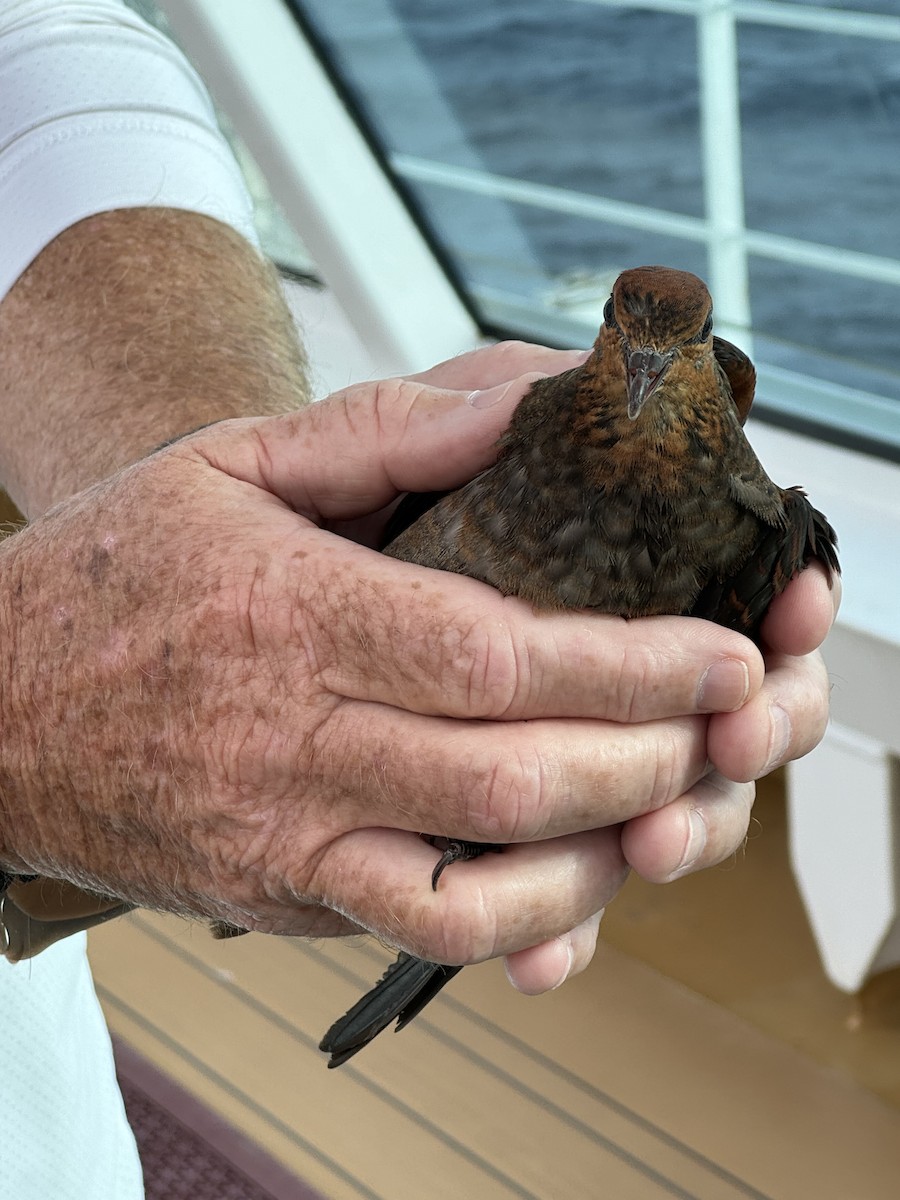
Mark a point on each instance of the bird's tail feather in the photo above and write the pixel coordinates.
(402, 992)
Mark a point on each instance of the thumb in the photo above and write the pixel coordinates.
(354, 452)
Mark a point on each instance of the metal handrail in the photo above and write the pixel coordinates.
(638, 216)
(723, 230)
(813, 18)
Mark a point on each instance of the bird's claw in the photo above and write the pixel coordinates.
(456, 850)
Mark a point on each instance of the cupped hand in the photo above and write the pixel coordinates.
(784, 720)
(223, 705)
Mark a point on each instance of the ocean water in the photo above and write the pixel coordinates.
(606, 101)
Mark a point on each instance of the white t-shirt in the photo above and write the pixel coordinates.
(97, 111)
(65, 1136)
(100, 111)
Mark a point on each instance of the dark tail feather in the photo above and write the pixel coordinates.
(402, 992)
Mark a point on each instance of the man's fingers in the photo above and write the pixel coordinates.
(783, 721)
(493, 905)
(703, 827)
(787, 717)
(351, 454)
(433, 642)
(547, 966)
(799, 619)
(518, 782)
(492, 365)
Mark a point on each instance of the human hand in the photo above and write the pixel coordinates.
(250, 717)
(784, 720)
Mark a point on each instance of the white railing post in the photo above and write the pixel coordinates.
(843, 812)
(720, 134)
(331, 187)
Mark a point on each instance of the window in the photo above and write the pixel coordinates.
(547, 144)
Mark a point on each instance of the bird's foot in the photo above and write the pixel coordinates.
(456, 850)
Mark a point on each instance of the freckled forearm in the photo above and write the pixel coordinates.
(130, 328)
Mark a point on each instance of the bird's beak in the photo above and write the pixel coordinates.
(644, 371)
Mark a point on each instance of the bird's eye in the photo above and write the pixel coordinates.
(608, 315)
(707, 328)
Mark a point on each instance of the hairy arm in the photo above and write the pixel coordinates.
(130, 328)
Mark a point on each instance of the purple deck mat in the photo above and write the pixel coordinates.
(188, 1152)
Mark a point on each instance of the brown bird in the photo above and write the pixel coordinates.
(627, 486)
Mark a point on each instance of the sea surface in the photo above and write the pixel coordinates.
(605, 101)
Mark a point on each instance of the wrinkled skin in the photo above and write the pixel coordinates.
(250, 715)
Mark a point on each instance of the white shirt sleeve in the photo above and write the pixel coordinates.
(99, 111)
(68, 1137)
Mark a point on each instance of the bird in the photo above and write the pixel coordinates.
(626, 485)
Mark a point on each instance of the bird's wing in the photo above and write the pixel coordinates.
(746, 479)
(533, 414)
(740, 601)
(751, 487)
(740, 373)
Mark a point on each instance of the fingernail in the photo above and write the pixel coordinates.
(696, 842)
(779, 736)
(490, 396)
(566, 944)
(724, 686)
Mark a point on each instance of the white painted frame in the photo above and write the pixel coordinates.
(320, 169)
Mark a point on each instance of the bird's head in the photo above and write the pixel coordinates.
(655, 313)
